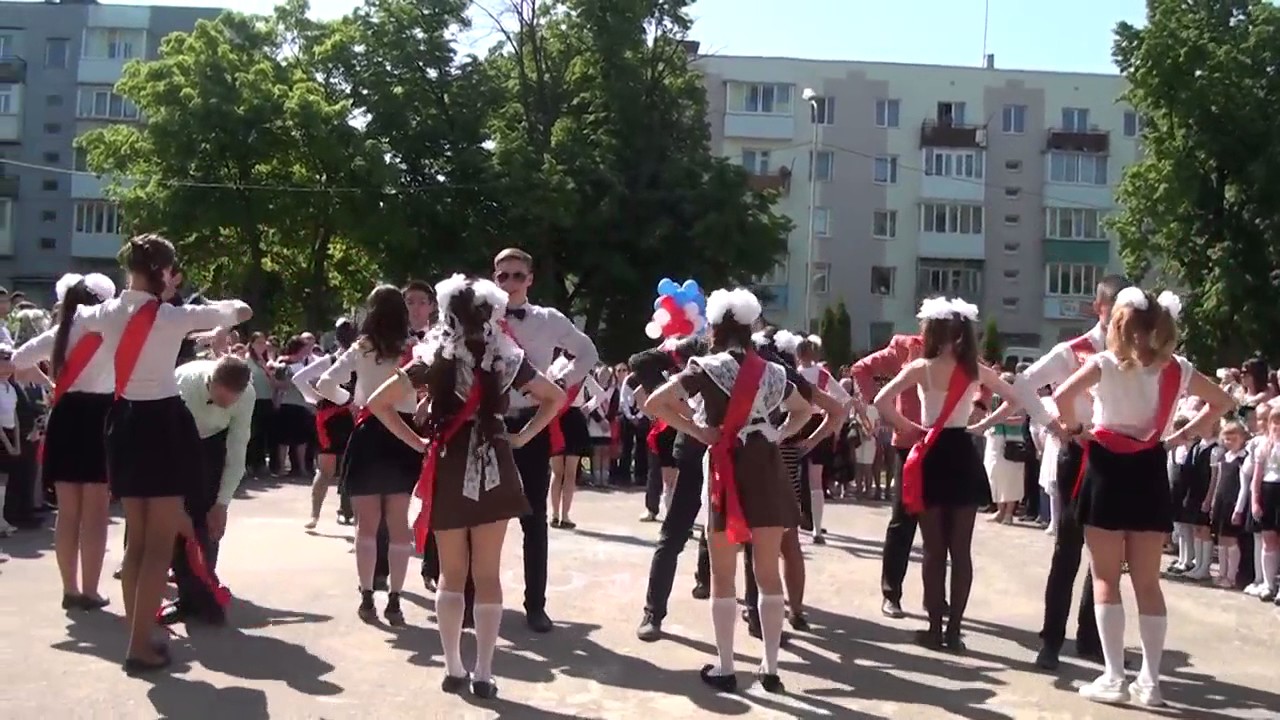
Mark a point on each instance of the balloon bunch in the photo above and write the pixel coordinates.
(680, 310)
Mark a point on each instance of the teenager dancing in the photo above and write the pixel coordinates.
(334, 423)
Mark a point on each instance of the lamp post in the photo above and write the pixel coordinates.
(811, 97)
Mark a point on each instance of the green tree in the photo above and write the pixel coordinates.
(845, 350)
(837, 340)
(992, 345)
(1200, 207)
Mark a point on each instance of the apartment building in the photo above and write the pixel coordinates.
(58, 64)
(977, 182)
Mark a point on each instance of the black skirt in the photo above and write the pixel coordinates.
(334, 426)
(75, 446)
(1270, 520)
(1223, 510)
(577, 438)
(953, 473)
(153, 448)
(666, 442)
(293, 425)
(822, 454)
(1125, 492)
(379, 463)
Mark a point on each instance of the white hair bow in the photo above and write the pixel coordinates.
(934, 308)
(966, 310)
(815, 339)
(1170, 302)
(787, 341)
(100, 285)
(743, 303)
(1133, 297)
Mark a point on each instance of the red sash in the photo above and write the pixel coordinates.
(658, 426)
(135, 334)
(913, 469)
(724, 483)
(322, 417)
(615, 435)
(1170, 383)
(76, 361)
(823, 378)
(1083, 348)
(554, 431)
(426, 487)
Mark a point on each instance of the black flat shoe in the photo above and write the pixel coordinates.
(568, 525)
(929, 639)
(72, 602)
(891, 609)
(555, 523)
(701, 592)
(722, 683)
(138, 666)
(1047, 659)
(393, 613)
(367, 612)
(454, 685)
(770, 682)
(798, 622)
(89, 602)
(539, 622)
(484, 689)
(953, 642)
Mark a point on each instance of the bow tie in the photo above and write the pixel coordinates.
(420, 334)
(517, 313)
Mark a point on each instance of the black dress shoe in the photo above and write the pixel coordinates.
(770, 682)
(538, 622)
(172, 615)
(138, 666)
(701, 591)
(722, 683)
(484, 689)
(1047, 658)
(892, 609)
(650, 629)
(454, 685)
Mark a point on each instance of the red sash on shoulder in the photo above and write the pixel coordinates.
(426, 488)
(1121, 444)
(913, 468)
(724, 483)
(136, 332)
(1083, 348)
(76, 361)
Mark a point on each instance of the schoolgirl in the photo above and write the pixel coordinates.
(75, 455)
(1194, 467)
(602, 409)
(1224, 492)
(1005, 455)
(1250, 541)
(1263, 476)
(378, 470)
(152, 446)
(259, 453)
(808, 353)
(294, 428)
(566, 463)
(334, 423)
(1123, 498)
(469, 484)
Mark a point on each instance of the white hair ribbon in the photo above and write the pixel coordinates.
(966, 310)
(1133, 297)
(742, 303)
(1170, 302)
(787, 341)
(935, 308)
(816, 340)
(65, 283)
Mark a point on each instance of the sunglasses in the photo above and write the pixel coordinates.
(517, 276)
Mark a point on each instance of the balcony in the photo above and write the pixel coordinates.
(952, 246)
(97, 246)
(759, 126)
(1069, 308)
(934, 133)
(1093, 140)
(8, 186)
(779, 182)
(11, 128)
(13, 70)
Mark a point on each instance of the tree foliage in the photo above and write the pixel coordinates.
(836, 331)
(992, 344)
(1202, 206)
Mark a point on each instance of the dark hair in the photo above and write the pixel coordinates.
(293, 345)
(422, 286)
(345, 333)
(385, 328)
(1110, 286)
(231, 373)
(808, 350)
(254, 353)
(442, 375)
(956, 333)
(77, 295)
(149, 255)
(690, 347)
(1255, 369)
(730, 334)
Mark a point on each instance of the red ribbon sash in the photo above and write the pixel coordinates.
(135, 334)
(1121, 444)
(724, 484)
(322, 417)
(655, 430)
(426, 487)
(615, 435)
(75, 363)
(913, 468)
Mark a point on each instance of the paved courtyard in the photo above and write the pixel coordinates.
(295, 649)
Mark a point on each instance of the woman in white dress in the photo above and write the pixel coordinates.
(1004, 460)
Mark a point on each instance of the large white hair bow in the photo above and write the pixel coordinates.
(787, 341)
(100, 285)
(1133, 297)
(966, 310)
(743, 303)
(1170, 302)
(940, 308)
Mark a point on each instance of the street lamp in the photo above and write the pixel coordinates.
(811, 97)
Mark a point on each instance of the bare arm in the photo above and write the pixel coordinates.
(667, 404)
(884, 402)
(835, 410)
(1216, 404)
(550, 399)
(799, 411)
(383, 406)
(1080, 382)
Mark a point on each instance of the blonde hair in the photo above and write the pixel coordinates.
(1141, 337)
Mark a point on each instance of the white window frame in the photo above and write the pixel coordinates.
(887, 218)
(822, 111)
(888, 112)
(966, 164)
(816, 166)
(893, 281)
(1075, 119)
(97, 217)
(6, 45)
(1133, 124)
(820, 278)
(890, 166)
(756, 160)
(958, 108)
(1014, 119)
(1081, 279)
(117, 43)
(952, 218)
(104, 104)
(8, 99)
(1009, 303)
(822, 222)
(1064, 223)
(954, 280)
(1071, 168)
(739, 98)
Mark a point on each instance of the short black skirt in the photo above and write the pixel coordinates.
(1125, 492)
(824, 452)
(577, 438)
(379, 463)
(293, 425)
(953, 472)
(75, 445)
(1270, 520)
(333, 430)
(666, 442)
(153, 448)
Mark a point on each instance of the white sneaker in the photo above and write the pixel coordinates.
(1254, 590)
(1106, 690)
(1146, 693)
(6, 529)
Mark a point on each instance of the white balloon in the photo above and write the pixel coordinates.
(653, 330)
(699, 323)
(661, 317)
(691, 310)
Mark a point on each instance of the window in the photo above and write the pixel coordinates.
(821, 221)
(1069, 280)
(114, 43)
(821, 278)
(49, 185)
(8, 99)
(1075, 119)
(1011, 275)
(1077, 168)
(1074, 223)
(1011, 248)
(6, 45)
(1133, 124)
(5, 204)
(953, 163)
(1013, 165)
(944, 218)
(778, 276)
(823, 166)
(105, 104)
(1009, 303)
(53, 100)
(823, 111)
(885, 170)
(81, 161)
(952, 279)
(1015, 119)
(763, 98)
(950, 113)
(884, 224)
(48, 215)
(97, 218)
(1012, 193)
(52, 128)
(756, 162)
(53, 158)
(56, 52)
(887, 112)
(883, 280)
(1011, 220)
(48, 243)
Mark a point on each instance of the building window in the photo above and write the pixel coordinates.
(53, 158)
(821, 221)
(97, 218)
(884, 224)
(8, 99)
(947, 218)
(1077, 168)
(952, 279)
(821, 278)
(883, 280)
(1009, 303)
(1075, 119)
(756, 162)
(1015, 119)
(879, 334)
(887, 112)
(48, 243)
(950, 113)
(1011, 220)
(52, 128)
(49, 185)
(953, 163)
(1013, 165)
(53, 100)
(1011, 275)
(823, 111)
(6, 45)
(1012, 193)
(1011, 248)
(824, 165)
(102, 103)
(81, 160)
(1073, 224)
(56, 51)
(1070, 280)
(114, 43)
(885, 171)
(764, 98)
(1133, 124)
(48, 216)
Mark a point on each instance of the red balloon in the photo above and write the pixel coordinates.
(683, 326)
(669, 304)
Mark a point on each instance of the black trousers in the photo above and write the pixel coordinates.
(898, 538)
(194, 596)
(635, 450)
(431, 559)
(653, 483)
(19, 494)
(1068, 547)
(686, 502)
(260, 448)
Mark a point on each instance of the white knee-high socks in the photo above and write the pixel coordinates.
(1110, 619)
(724, 615)
(772, 614)
(1182, 535)
(488, 618)
(818, 502)
(1270, 568)
(1151, 630)
(450, 607)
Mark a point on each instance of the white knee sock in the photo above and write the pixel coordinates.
(1151, 629)
(1181, 537)
(1110, 619)
(1203, 557)
(1257, 559)
(1270, 566)
(772, 613)
(488, 618)
(818, 501)
(1233, 562)
(449, 609)
(724, 616)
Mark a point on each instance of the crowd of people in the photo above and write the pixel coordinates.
(487, 408)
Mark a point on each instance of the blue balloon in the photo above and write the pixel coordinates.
(690, 287)
(701, 300)
(667, 286)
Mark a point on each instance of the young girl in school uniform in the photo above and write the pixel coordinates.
(1263, 476)
(1224, 492)
(1194, 471)
(1123, 499)
(75, 456)
(152, 446)
(334, 423)
(808, 353)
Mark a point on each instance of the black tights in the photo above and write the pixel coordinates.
(947, 531)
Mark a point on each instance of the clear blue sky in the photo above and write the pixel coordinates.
(1027, 34)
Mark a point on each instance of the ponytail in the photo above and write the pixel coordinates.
(76, 295)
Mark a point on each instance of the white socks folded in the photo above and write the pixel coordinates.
(1110, 619)
(724, 615)
(772, 614)
(450, 607)
(1202, 556)
(1182, 537)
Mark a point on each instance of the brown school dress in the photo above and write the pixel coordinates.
(763, 486)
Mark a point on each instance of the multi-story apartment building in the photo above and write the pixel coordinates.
(58, 64)
(976, 182)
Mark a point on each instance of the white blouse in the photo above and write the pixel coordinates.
(99, 376)
(306, 378)
(814, 372)
(1125, 400)
(370, 374)
(153, 377)
(8, 406)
